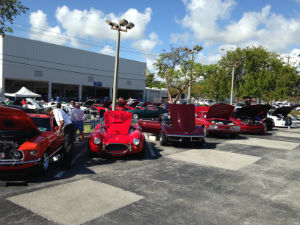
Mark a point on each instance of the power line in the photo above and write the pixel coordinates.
(63, 64)
(79, 40)
(51, 68)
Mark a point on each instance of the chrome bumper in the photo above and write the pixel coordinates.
(13, 162)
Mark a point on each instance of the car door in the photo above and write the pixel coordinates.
(150, 125)
(57, 141)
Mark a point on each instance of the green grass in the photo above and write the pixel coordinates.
(87, 128)
(295, 112)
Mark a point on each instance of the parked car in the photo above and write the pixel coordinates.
(249, 119)
(176, 126)
(118, 134)
(150, 111)
(216, 120)
(281, 118)
(27, 140)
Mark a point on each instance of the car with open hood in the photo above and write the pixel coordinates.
(117, 134)
(216, 120)
(27, 140)
(250, 119)
(176, 126)
(281, 118)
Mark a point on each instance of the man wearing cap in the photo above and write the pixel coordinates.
(66, 127)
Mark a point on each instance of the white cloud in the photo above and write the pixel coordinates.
(202, 16)
(293, 58)
(40, 30)
(181, 39)
(91, 23)
(146, 45)
(207, 59)
(271, 30)
(107, 50)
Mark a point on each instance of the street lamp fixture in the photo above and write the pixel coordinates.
(118, 27)
(193, 51)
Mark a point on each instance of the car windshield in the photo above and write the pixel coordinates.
(43, 124)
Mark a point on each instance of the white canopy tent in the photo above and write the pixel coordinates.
(23, 93)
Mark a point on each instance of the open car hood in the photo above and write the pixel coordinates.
(134, 104)
(16, 119)
(221, 111)
(285, 110)
(252, 111)
(183, 117)
(117, 122)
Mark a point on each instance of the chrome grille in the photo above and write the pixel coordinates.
(116, 147)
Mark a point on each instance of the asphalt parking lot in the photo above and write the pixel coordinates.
(252, 179)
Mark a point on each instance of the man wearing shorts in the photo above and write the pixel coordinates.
(77, 120)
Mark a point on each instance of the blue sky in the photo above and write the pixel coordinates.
(214, 24)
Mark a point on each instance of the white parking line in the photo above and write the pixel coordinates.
(151, 150)
(265, 143)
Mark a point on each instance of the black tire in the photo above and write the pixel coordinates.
(202, 143)
(232, 136)
(163, 141)
(141, 154)
(205, 132)
(43, 166)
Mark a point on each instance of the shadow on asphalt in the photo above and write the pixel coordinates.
(82, 164)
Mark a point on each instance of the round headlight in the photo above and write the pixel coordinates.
(16, 155)
(97, 141)
(136, 141)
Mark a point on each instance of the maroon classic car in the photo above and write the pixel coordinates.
(176, 126)
(216, 120)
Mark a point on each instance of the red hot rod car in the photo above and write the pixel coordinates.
(27, 140)
(176, 126)
(250, 119)
(118, 134)
(216, 120)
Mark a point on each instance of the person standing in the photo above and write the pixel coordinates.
(66, 127)
(70, 108)
(77, 120)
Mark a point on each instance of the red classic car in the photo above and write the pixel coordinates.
(118, 134)
(249, 119)
(216, 120)
(176, 126)
(27, 140)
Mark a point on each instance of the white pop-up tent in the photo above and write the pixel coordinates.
(23, 93)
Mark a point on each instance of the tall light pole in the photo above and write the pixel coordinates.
(233, 65)
(195, 50)
(118, 27)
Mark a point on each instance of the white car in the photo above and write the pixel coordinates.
(281, 118)
(33, 104)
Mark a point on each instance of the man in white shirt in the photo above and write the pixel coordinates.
(65, 125)
(77, 120)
